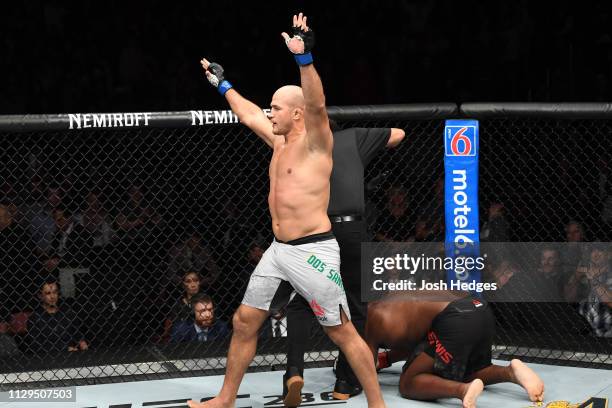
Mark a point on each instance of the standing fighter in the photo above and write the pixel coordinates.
(458, 336)
(353, 150)
(304, 255)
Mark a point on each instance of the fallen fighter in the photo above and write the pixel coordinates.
(457, 335)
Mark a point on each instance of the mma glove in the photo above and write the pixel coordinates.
(307, 38)
(383, 360)
(217, 79)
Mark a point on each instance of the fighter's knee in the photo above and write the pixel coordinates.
(406, 388)
(241, 323)
(340, 334)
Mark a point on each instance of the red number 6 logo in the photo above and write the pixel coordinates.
(467, 145)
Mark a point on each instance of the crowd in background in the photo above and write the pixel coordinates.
(83, 273)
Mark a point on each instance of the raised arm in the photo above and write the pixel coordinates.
(315, 114)
(248, 113)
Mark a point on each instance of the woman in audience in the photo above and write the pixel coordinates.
(181, 309)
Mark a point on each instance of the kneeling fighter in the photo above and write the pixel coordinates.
(458, 335)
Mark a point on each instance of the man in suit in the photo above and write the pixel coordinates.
(204, 326)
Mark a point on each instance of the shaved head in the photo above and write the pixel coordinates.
(290, 95)
(287, 109)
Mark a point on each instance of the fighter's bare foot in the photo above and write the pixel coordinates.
(213, 403)
(528, 379)
(474, 389)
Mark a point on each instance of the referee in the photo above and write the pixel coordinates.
(353, 150)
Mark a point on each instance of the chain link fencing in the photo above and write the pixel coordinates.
(112, 230)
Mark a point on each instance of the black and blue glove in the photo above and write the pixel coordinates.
(215, 75)
(301, 41)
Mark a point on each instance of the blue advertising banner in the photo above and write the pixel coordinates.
(461, 195)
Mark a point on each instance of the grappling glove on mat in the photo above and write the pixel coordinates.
(383, 360)
(301, 41)
(214, 74)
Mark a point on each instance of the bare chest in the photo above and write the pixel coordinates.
(289, 162)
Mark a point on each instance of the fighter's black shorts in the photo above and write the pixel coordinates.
(460, 339)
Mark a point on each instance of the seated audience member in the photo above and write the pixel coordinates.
(42, 225)
(71, 243)
(277, 326)
(96, 222)
(432, 211)
(597, 307)
(549, 269)
(53, 327)
(204, 326)
(529, 283)
(495, 228)
(575, 250)
(193, 255)
(137, 218)
(232, 286)
(422, 232)
(531, 294)
(8, 346)
(395, 221)
(15, 263)
(578, 287)
(253, 256)
(181, 310)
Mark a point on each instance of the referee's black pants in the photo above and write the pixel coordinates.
(349, 235)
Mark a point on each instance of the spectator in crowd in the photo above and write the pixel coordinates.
(277, 326)
(574, 232)
(574, 251)
(235, 235)
(137, 218)
(232, 287)
(525, 282)
(549, 268)
(96, 222)
(9, 197)
(395, 221)
(139, 252)
(8, 346)
(253, 256)
(53, 326)
(15, 263)
(530, 293)
(597, 307)
(499, 271)
(433, 212)
(204, 326)
(193, 255)
(42, 223)
(35, 201)
(192, 285)
(256, 251)
(182, 309)
(422, 232)
(495, 228)
(71, 244)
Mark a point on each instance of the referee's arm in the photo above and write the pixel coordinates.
(397, 135)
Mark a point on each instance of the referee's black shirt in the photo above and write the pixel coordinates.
(354, 148)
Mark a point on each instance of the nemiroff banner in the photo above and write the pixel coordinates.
(461, 196)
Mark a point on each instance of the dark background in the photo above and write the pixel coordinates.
(143, 56)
